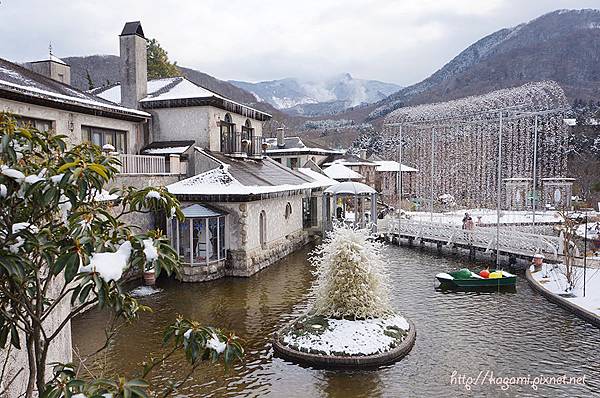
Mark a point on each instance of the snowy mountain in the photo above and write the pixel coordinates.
(563, 46)
(311, 98)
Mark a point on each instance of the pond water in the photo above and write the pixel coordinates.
(509, 334)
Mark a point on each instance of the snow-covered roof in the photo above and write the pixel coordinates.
(315, 175)
(56, 59)
(170, 88)
(570, 122)
(18, 82)
(167, 147)
(392, 165)
(203, 211)
(347, 159)
(338, 171)
(243, 177)
(350, 188)
(297, 145)
(177, 150)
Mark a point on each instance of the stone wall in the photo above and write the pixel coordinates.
(248, 262)
(245, 221)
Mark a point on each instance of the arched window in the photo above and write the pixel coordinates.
(227, 134)
(288, 210)
(248, 137)
(263, 228)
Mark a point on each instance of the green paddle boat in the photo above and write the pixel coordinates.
(465, 278)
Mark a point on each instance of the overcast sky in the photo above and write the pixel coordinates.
(399, 41)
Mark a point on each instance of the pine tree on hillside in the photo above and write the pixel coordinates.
(159, 65)
(89, 80)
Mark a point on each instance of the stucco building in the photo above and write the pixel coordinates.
(243, 210)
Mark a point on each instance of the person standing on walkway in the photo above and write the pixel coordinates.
(468, 222)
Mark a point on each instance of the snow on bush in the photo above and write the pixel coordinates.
(153, 195)
(150, 250)
(12, 173)
(351, 280)
(110, 266)
(215, 344)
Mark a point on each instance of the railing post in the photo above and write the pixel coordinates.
(174, 164)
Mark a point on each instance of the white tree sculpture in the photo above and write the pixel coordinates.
(351, 279)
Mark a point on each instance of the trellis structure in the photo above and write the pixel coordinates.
(459, 150)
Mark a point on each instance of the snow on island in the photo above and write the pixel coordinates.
(351, 322)
(344, 337)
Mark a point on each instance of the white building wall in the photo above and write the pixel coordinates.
(198, 123)
(69, 123)
(185, 123)
(278, 227)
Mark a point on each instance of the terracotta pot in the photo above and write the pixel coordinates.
(149, 278)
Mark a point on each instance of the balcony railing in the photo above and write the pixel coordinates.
(234, 144)
(149, 164)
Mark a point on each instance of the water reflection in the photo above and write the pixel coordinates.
(510, 334)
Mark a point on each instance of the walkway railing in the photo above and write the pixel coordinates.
(509, 241)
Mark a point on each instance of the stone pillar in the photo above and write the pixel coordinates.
(374, 212)
(133, 65)
(174, 164)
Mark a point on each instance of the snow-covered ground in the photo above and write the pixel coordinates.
(143, 291)
(552, 279)
(345, 337)
(488, 216)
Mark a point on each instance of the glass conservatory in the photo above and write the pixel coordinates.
(201, 238)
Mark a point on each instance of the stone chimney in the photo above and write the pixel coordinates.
(54, 68)
(133, 64)
(280, 137)
(363, 154)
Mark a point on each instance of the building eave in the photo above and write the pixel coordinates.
(15, 94)
(206, 101)
(235, 198)
(301, 151)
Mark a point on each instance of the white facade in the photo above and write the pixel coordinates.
(70, 123)
(198, 123)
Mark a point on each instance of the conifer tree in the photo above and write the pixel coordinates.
(89, 80)
(159, 65)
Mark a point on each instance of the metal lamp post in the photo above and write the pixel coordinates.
(534, 171)
(432, 165)
(585, 253)
(498, 189)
